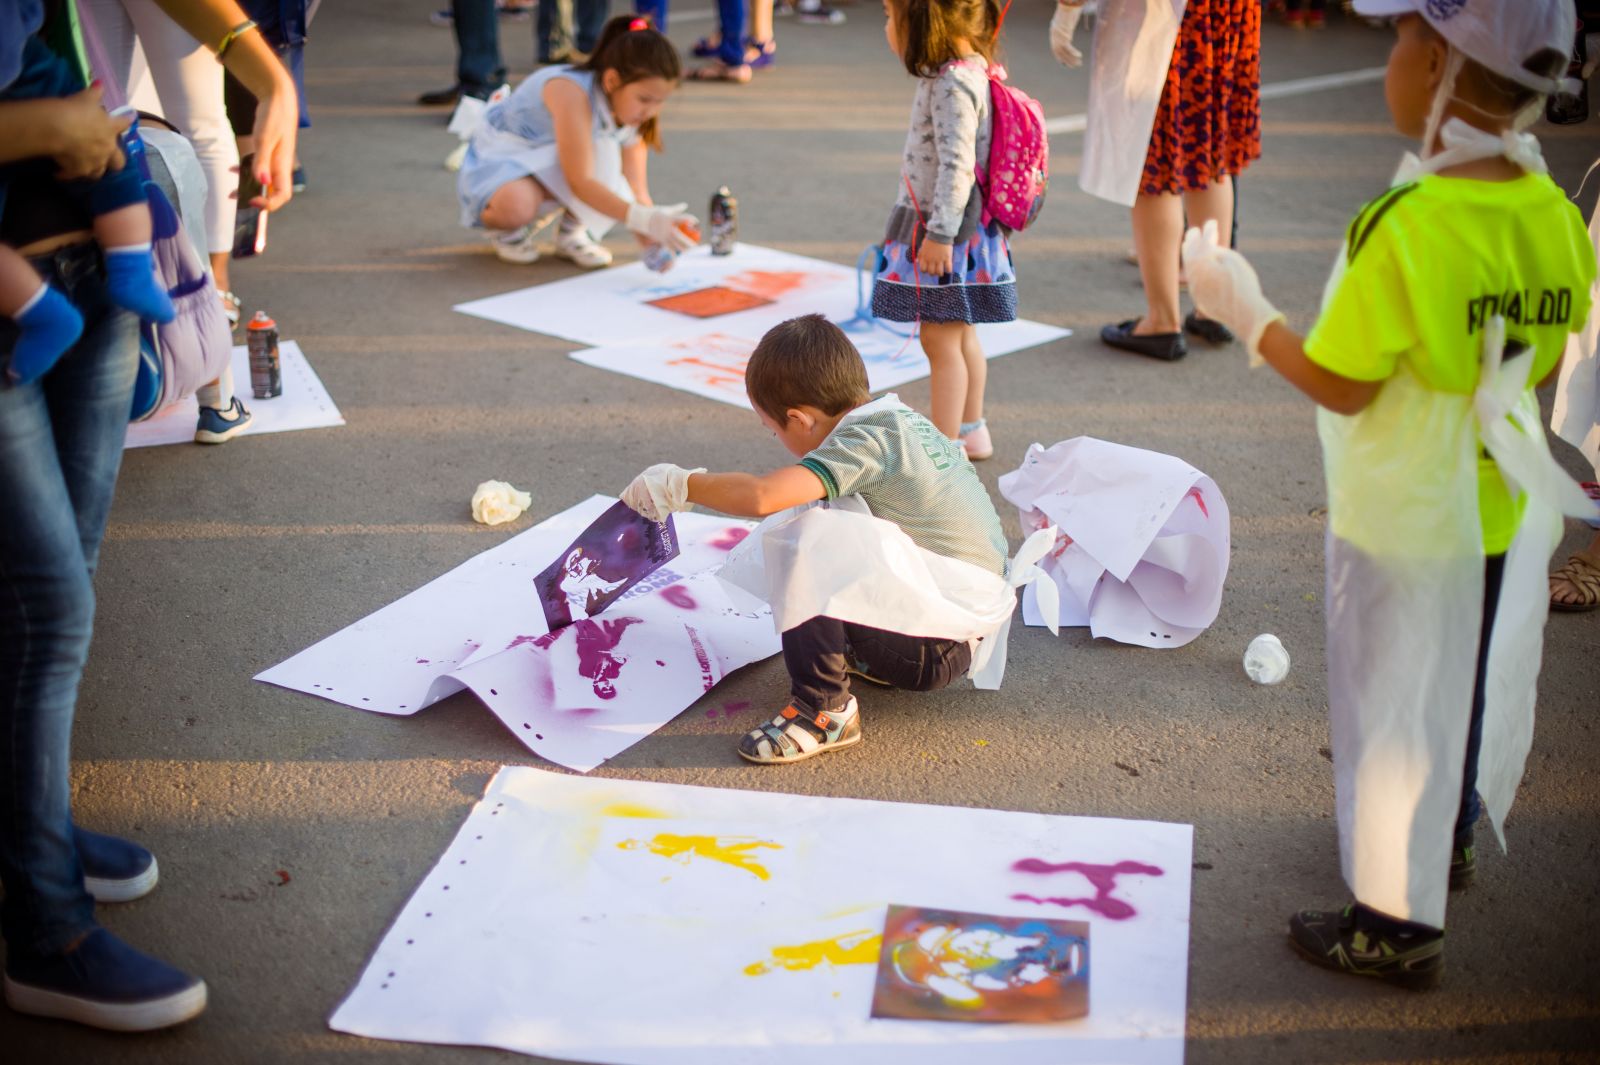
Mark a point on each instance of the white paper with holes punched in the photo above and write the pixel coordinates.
(577, 696)
(634, 923)
(694, 327)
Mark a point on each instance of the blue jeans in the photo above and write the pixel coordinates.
(552, 32)
(479, 71)
(730, 29)
(60, 449)
(1494, 571)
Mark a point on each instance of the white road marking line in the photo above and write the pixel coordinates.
(1295, 87)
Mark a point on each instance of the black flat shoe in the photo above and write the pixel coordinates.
(1169, 347)
(1207, 329)
(440, 97)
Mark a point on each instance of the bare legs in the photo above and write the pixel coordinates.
(959, 373)
(1158, 225)
(514, 204)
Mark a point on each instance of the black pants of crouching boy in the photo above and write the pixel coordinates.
(817, 651)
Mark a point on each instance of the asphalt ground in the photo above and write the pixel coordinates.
(291, 830)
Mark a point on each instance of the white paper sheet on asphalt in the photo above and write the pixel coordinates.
(577, 697)
(634, 923)
(694, 327)
(305, 404)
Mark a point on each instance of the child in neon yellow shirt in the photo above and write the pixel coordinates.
(1454, 295)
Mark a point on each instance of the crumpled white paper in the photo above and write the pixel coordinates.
(1141, 552)
(496, 502)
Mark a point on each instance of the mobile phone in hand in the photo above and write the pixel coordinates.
(250, 221)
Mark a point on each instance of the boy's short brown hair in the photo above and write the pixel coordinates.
(805, 362)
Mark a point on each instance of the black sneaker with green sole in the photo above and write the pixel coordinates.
(1338, 940)
(1463, 867)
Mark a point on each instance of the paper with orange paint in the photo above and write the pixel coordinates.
(692, 328)
(627, 922)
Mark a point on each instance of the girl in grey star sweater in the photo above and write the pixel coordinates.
(943, 264)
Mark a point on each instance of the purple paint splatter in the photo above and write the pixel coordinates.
(1103, 877)
(679, 597)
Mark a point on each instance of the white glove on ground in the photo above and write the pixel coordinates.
(661, 490)
(1224, 286)
(1063, 24)
(661, 224)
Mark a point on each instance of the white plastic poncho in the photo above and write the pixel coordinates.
(1133, 43)
(1405, 583)
(1576, 417)
(1142, 549)
(836, 560)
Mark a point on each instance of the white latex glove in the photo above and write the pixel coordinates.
(1063, 24)
(1224, 286)
(660, 490)
(661, 224)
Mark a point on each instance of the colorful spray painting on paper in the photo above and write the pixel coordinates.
(616, 552)
(945, 965)
(654, 327)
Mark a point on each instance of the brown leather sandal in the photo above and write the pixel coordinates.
(1584, 577)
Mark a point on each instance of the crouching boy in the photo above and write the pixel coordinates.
(808, 386)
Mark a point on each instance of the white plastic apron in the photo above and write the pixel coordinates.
(544, 163)
(1576, 417)
(1133, 43)
(836, 560)
(1405, 580)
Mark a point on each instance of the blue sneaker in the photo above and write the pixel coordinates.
(104, 983)
(114, 870)
(220, 426)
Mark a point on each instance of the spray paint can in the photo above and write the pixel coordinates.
(659, 257)
(266, 372)
(724, 221)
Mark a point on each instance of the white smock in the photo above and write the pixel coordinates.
(835, 560)
(1405, 584)
(1133, 43)
(516, 138)
(1576, 417)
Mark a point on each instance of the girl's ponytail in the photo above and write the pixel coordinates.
(631, 46)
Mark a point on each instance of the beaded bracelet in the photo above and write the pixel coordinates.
(233, 35)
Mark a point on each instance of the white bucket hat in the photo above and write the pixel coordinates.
(1512, 38)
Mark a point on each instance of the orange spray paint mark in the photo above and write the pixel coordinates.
(772, 284)
(730, 850)
(852, 948)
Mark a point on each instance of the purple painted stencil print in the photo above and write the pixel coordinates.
(613, 554)
(1102, 877)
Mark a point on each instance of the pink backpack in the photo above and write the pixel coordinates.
(1018, 173)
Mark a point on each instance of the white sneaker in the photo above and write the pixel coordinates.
(574, 244)
(516, 245)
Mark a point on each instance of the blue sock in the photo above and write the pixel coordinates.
(970, 427)
(131, 283)
(47, 326)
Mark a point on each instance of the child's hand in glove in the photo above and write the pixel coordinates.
(660, 490)
(665, 225)
(1062, 26)
(1224, 286)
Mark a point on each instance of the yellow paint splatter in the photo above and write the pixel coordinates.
(980, 743)
(852, 948)
(730, 850)
(628, 809)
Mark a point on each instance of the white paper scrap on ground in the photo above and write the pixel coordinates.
(305, 404)
(632, 923)
(1143, 539)
(694, 327)
(583, 695)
